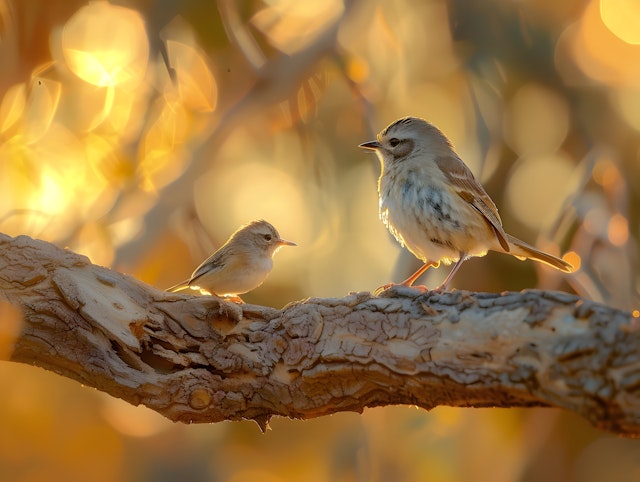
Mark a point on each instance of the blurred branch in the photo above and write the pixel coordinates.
(201, 359)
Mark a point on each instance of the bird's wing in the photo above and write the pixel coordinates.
(210, 266)
(213, 263)
(469, 189)
(179, 287)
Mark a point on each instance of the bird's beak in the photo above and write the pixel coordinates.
(371, 145)
(284, 242)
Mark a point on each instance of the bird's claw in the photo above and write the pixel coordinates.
(234, 299)
(378, 291)
(388, 286)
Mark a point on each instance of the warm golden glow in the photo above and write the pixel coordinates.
(606, 173)
(133, 421)
(622, 17)
(351, 239)
(290, 25)
(10, 326)
(444, 106)
(42, 104)
(573, 259)
(123, 117)
(627, 103)
(537, 188)
(537, 120)
(93, 241)
(68, 142)
(12, 106)
(147, 163)
(601, 54)
(196, 84)
(357, 69)
(160, 161)
(618, 230)
(254, 190)
(104, 44)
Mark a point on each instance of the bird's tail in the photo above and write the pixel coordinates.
(523, 250)
(183, 285)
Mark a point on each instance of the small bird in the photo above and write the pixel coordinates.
(239, 265)
(432, 204)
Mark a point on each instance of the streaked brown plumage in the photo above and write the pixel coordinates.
(432, 203)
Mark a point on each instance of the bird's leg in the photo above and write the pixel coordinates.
(410, 280)
(454, 270)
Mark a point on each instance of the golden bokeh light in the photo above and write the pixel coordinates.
(12, 107)
(67, 138)
(573, 259)
(357, 69)
(106, 45)
(129, 129)
(56, 170)
(94, 241)
(42, 104)
(537, 120)
(64, 157)
(599, 52)
(537, 188)
(618, 230)
(606, 173)
(386, 38)
(290, 25)
(627, 103)
(253, 190)
(16, 185)
(196, 84)
(126, 115)
(161, 159)
(622, 17)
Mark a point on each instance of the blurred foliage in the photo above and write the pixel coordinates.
(142, 133)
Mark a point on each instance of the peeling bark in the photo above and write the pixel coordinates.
(202, 359)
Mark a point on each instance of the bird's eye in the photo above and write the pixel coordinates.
(268, 237)
(394, 142)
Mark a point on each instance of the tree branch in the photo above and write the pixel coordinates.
(201, 359)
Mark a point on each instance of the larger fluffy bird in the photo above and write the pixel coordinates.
(432, 203)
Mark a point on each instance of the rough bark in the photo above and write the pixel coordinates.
(202, 359)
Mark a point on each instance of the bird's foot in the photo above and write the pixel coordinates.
(381, 289)
(388, 286)
(234, 299)
(444, 286)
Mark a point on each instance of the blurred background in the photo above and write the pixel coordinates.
(142, 133)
